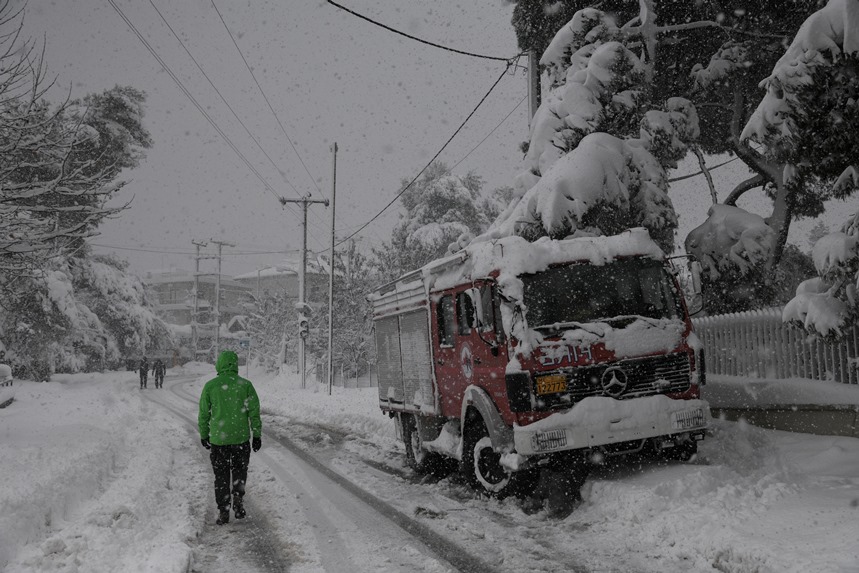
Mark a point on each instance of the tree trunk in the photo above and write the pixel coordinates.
(780, 219)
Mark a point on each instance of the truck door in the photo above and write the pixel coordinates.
(480, 340)
(447, 371)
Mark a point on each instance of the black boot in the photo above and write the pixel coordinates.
(223, 516)
(239, 507)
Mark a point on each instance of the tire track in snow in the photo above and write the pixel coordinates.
(438, 545)
(220, 550)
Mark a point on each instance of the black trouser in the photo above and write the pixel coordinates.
(228, 460)
(143, 377)
(159, 380)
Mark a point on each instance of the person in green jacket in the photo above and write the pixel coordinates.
(229, 415)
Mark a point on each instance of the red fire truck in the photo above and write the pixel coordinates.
(514, 357)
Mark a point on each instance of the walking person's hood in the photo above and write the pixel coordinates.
(228, 363)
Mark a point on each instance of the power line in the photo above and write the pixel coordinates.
(175, 252)
(312, 180)
(690, 175)
(223, 99)
(490, 133)
(182, 87)
(427, 42)
(398, 195)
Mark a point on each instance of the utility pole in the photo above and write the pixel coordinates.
(331, 277)
(220, 244)
(302, 274)
(194, 334)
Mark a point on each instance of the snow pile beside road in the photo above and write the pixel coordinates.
(737, 392)
(94, 478)
(352, 411)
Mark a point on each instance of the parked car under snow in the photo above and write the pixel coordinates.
(7, 391)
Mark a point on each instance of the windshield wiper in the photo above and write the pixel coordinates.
(561, 326)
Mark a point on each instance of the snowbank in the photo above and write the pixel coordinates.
(94, 478)
(737, 392)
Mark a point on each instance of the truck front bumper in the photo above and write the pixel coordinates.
(600, 421)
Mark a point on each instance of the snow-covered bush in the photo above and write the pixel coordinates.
(828, 304)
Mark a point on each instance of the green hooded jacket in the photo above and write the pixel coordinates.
(229, 405)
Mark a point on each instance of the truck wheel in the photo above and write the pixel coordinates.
(417, 458)
(682, 452)
(481, 466)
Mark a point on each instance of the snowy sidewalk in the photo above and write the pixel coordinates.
(796, 405)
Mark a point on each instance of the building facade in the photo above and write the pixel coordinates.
(173, 294)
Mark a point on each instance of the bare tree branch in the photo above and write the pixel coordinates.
(697, 151)
(757, 180)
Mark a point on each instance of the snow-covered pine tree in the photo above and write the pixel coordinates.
(62, 308)
(443, 212)
(804, 124)
(270, 323)
(808, 121)
(80, 313)
(353, 344)
(715, 54)
(600, 144)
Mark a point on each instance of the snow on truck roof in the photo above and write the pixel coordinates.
(513, 256)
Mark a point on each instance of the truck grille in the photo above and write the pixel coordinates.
(643, 377)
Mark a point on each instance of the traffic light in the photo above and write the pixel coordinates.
(303, 325)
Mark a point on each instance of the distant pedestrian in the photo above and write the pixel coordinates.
(143, 369)
(158, 370)
(229, 416)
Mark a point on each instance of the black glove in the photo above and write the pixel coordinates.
(256, 444)
(206, 443)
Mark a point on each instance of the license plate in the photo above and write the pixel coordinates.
(551, 384)
(548, 440)
(687, 419)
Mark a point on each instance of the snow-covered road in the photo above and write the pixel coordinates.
(97, 475)
(350, 532)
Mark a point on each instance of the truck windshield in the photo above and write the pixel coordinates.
(582, 293)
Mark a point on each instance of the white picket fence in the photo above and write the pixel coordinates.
(758, 344)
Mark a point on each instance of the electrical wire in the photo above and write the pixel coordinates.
(191, 253)
(690, 175)
(443, 147)
(489, 134)
(427, 42)
(223, 99)
(312, 180)
(276, 117)
(188, 94)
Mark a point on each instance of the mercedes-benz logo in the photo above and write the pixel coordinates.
(614, 382)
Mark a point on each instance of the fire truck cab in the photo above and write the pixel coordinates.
(513, 356)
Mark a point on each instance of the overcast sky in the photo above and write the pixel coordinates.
(389, 102)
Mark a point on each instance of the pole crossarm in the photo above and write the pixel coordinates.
(304, 200)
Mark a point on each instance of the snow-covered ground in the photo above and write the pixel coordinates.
(97, 475)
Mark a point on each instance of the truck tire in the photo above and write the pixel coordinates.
(417, 458)
(482, 469)
(682, 452)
